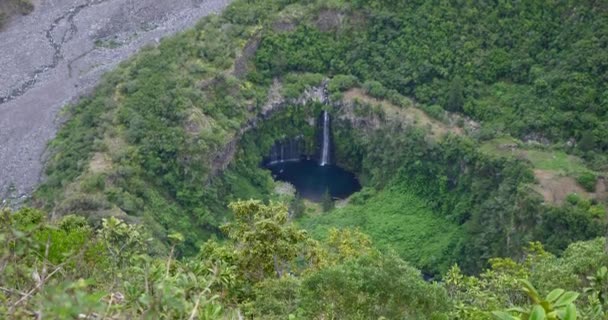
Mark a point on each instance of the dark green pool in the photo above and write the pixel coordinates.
(311, 180)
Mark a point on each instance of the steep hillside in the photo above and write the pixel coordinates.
(155, 142)
(477, 132)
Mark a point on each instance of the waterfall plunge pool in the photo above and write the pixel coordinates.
(311, 180)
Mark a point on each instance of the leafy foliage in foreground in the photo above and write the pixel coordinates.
(66, 270)
(511, 289)
(69, 270)
(558, 304)
(270, 269)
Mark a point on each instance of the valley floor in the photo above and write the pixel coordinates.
(398, 220)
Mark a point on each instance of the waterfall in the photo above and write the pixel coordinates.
(326, 148)
(286, 149)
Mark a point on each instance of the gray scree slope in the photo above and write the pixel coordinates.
(57, 53)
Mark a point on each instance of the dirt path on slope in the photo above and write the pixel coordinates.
(56, 54)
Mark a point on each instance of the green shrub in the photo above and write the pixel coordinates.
(275, 298)
(597, 211)
(362, 196)
(297, 208)
(327, 203)
(296, 83)
(72, 222)
(397, 99)
(27, 217)
(336, 96)
(371, 287)
(341, 83)
(435, 111)
(96, 182)
(487, 133)
(573, 199)
(83, 203)
(375, 89)
(587, 180)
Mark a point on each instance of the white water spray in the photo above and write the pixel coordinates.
(325, 150)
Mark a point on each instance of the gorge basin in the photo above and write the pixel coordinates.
(311, 180)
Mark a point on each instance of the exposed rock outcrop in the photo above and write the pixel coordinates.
(276, 101)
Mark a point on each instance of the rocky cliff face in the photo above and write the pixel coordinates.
(56, 54)
(276, 102)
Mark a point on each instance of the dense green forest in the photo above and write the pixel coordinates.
(477, 129)
(535, 70)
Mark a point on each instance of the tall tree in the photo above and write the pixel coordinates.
(455, 100)
(587, 142)
(327, 203)
(266, 244)
(297, 208)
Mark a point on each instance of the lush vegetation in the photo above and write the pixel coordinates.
(141, 175)
(143, 146)
(270, 269)
(489, 197)
(396, 218)
(410, 179)
(533, 70)
(150, 144)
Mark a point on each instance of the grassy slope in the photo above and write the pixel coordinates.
(399, 220)
(557, 173)
(556, 161)
(551, 160)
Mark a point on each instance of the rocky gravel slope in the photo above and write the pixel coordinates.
(57, 53)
